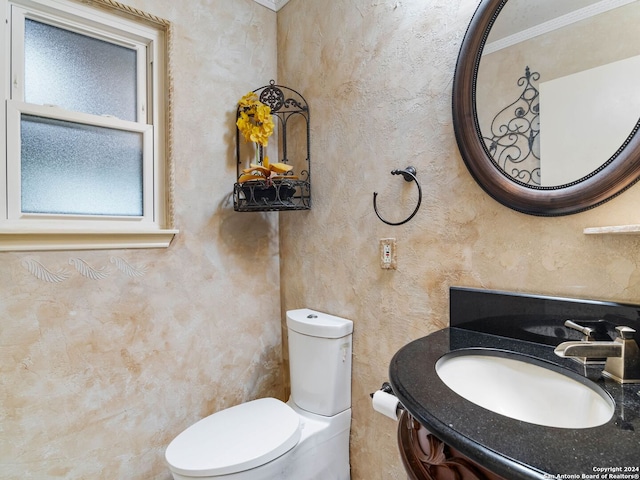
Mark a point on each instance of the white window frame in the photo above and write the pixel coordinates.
(146, 34)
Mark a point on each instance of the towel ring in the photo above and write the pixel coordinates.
(409, 175)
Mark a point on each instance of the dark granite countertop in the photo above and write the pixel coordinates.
(511, 448)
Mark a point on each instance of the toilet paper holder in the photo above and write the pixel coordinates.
(386, 388)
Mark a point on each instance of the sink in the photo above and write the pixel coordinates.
(524, 388)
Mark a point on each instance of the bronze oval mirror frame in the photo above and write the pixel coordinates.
(616, 175)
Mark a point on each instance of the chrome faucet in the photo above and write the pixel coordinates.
(623, 355)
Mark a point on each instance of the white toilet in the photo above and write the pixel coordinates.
(306, 438)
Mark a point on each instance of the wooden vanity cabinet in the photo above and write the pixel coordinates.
(425, 457)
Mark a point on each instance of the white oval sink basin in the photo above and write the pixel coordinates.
(518, 389)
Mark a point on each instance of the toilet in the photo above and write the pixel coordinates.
(306, 438)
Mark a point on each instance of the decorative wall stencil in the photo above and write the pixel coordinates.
(83, 268)
(39, 271)
(87, 271)
(127, 268)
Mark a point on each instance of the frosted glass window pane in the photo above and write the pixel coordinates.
(79, 73)
(70, 168)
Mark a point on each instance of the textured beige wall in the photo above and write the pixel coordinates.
(377, 76)
(97, 376)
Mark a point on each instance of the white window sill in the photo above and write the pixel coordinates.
(27, 240)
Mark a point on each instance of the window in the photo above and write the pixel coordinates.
(86, 129)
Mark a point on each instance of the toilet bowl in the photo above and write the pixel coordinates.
(306, 438)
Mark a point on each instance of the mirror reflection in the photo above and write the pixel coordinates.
(557, 92)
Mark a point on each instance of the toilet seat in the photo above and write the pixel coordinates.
(236, 439)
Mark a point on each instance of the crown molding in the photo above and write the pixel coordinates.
(555, 24)
(274, 5)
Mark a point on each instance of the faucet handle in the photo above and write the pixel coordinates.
(625, 333)
(586, 331)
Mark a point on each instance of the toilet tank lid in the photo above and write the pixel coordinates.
(318, 324)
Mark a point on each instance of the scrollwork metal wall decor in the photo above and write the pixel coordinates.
(286, 191)
(514, 143)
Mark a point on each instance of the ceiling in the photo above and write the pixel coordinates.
(521, 15)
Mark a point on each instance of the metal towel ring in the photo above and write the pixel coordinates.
(409, 175)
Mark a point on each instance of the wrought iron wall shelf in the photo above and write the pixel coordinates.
(283, 190)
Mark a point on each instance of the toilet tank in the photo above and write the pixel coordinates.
(320, 361)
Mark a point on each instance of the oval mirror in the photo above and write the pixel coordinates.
(546, 105)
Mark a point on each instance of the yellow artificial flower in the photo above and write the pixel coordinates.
(266, 171)
(255, 121)
(256, 125)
